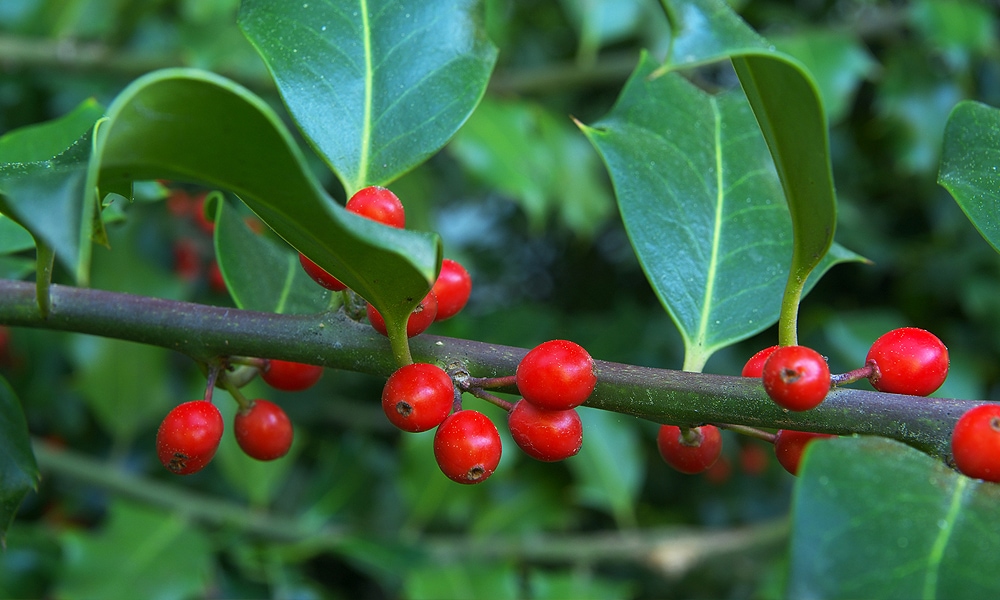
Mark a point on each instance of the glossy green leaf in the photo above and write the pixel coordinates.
(18, 471)
(874, 518)
(44, 185)
(786, 103)
(696, 188)
(838, 61)
(260, 273)
(190, 125)
(538, 159)
(609, 468)
(970, 165)
(167, 557)
(376, 85)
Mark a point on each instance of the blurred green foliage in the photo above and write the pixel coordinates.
(360, 510)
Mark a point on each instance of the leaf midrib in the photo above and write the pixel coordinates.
(366, 124)
(696, 362)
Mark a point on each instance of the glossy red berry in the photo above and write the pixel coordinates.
(419, 320)
(189, 436)
(692, 453)
(418, 397)
(796, 377)
(378, 204)
(975, 442)
(755, 366)
(187, 259)
(290, 376)
(452, 288)
(546, 435)
(908, 360)
(467, 447)
(789, 446)
(320, 276)
(263, 430)
(556, 375)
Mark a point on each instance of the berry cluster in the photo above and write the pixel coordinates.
(190, 434)
(554, 378)
(446, 298)
(907, 360)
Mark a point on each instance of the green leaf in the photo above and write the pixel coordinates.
(125, 384)
(538, 159)
(695, 188)
(484, 580)
(377, 86)
(874, 518)
(788, 108)
(13, 237)
(609, 467)
(18, 471)
(837, 60)
(260, 273)
(44, 185)
(189, 125)
(969, 165)
(166, 558)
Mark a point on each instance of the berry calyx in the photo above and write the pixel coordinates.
(467, 447)
(452, 288)
(546, 435)
(789, 446)
(263, 430)
(755, 365)
(556, 375)
(378, 204)
(908, 360)
(189, 436)
(418, 397)
(320, 276)
(689, 451)
(419, 320)
(290, 376)
(796, 377)
(975, 443)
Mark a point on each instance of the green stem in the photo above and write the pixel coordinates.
(332, 340)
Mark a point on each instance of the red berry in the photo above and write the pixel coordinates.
(378, 204)
(908, 360)
(755, 366)
(179, 203)
(975, 442)
(556, 375)
(467, 447)
(187, 259)
(320, 276)
(452, 288)
(189, 436)
(290, 376)
(547, 435)
(263, 430)
(215, 279)
(690, 454)
(789, 446)
(796, 377)
(753, 459)
(200, 218)
(418, 321)
(418, 397)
